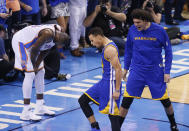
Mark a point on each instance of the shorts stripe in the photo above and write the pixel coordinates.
(23, 56)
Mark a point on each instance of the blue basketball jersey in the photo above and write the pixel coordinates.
(108, 70)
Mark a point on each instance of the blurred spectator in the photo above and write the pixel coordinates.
(110, 19)
(177, 14)
(4, 14)
(5, 66)
(156, 12)
(14, 5)
(91, 6)
(117, 3)
(31, 11)
(154, 9)
(60, 11)
(14, 8)
(77, 30)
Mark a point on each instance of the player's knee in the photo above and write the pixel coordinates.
(166, 103)
(83, 100)
(30, 75)
(126, 102)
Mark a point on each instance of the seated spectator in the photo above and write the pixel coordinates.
(4, 13)
(110, 19)
(31, 11)
(77, 30)
(5, 66)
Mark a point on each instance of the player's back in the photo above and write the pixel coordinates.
(29, 33)
(108, 70)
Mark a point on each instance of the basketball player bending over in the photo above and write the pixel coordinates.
(31, 44)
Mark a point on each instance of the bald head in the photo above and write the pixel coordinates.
(60, 37)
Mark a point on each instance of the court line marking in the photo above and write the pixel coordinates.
(10, 121)
(90, 81)
(72, 89)
(165, 121)
(9, 113)
(55, 93)
(34, 122)
(34, 105)
(81, 84)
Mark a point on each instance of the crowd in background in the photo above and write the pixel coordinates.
(76, 17)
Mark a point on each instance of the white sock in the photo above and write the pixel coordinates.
(26, 107)
(39, 102)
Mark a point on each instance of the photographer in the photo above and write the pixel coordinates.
(154, 9)
(109, 19)
(149, 5)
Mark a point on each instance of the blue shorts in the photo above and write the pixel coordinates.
(102, 94)
(154, 79)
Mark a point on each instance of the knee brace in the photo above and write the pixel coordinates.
(126, 102)
(166, 103)
(39, 82)
(27, 84)
(84, 104)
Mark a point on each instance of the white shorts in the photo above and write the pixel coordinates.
(22, 56)
(59, 10)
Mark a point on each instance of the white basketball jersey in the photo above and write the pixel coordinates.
(29, 35)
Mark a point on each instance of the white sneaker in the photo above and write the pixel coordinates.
(43, 110)
(29, 115)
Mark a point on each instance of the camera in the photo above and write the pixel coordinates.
(149, 4)
(103, 8)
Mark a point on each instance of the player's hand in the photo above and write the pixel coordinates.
(124, 74)
(27, 8)
(36, 70)
(97, 9)
(116, 95)
(167, 78)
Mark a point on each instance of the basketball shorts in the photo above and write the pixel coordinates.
(102, 94)
(22, 57)
(154, 79)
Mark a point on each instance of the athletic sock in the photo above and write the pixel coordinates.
(26, 107)
(95, 125)
(121, 120)
(172, 119)
(39, 102)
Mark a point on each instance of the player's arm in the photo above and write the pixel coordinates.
(41, 57)
(90, 19)
(116, 15)
(44, 36)
(25, 6)
(168, 57)
(111, 54)
(127, 56)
